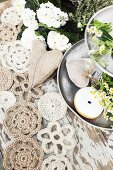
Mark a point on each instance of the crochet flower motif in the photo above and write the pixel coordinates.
(56, 139)
(15, 57)
(23, 154)
(56, 162)
(22, 119)
(21, 88)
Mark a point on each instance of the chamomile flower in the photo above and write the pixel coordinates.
(111, 90)
(102, 48)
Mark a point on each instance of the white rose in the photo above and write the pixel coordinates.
(19, 5)
(57, 41)
(28, 17)
(28, 36)
(51, 16)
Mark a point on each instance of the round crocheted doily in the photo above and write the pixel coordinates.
(8, 33)
(58, 163)
(23, 154)
(57, 139)
(22, 119)
(7, 99)
(16, 57)
(11, 16)
(52, 106)
(6, 79)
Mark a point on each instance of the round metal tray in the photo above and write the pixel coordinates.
(104, 15)
(68, 89)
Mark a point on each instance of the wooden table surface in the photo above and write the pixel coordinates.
(93, 147)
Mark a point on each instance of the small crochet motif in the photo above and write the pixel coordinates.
(57, 139)
(52, 106)
(22, 119)
(56, 162)
(7, 99)
(6, 79)
(23, 154)
(15, 57)
(10, 16)
(8, 33)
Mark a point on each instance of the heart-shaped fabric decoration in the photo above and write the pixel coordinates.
(42, 63)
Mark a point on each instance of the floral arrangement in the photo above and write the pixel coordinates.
(46, 22)
(101, 37)
(104, 91)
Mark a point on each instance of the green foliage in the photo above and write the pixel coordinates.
(86, 8)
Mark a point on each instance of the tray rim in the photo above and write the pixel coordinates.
(86, 40)
(58, 80)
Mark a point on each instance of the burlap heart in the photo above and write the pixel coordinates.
(42, 63)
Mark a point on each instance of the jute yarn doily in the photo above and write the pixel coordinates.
(56, 139)
(22, 119)
(6, 79)
(15, 57)
(23, 154)
(21, 88)
(10, 16)
(52, 106)
(56, 162)
(8, 33)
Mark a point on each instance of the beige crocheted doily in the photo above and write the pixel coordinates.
(22, 119)
(56, 163)
(21, 88)
(23, 154)
(57, 139)
(52, 106)
(6, 79)
(8, 33)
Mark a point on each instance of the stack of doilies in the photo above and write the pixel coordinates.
(31, 114)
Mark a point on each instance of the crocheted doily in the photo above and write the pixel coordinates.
(21, 84)
(22, 119)
(11, 16)
(6, 79)
(8, 33)
(21, 88)
(23, 154)
(56, 139)
(7, 99)
(52, 106)
(58, 163)
(16, 57)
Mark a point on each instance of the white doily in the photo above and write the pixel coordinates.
(7, 99)
(11, 16)
(15, 57)
(59, 163)
(56, 139)
(52, 106)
